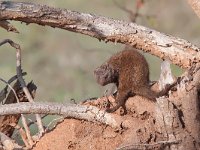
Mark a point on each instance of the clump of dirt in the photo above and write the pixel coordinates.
(76, 134)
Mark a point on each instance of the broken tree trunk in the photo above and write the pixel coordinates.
(173, 122)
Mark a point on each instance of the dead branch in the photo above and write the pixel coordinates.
(26, 91)
(12, 89)
(159, 44)
(89, 113)
(21, 80)
(159, 145)
(6, 25)
(28, 132)
(4, 91)
(13, 44)
(5, 121)
(195, 4)
(16, 118)
(8, 121)
(22, 133)
(133, 15)
(8, 143)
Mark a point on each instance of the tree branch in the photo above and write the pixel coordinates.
(6, 25)
(21, 80)
(8, 143)
(89, 113)
(178, 51)
(161, 144)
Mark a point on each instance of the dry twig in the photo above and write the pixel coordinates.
(22, 133)
(133, 15)
(6, 25)
(4, 91)
(21, 80)
(28, 134)
(8, 143)
(89, 113)
(160, 144)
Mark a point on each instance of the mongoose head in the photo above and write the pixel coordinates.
(105, 74)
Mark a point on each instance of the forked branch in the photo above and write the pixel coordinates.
(21, 80)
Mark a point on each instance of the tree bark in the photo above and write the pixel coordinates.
(178, 51)
(88, 113)
(173, 118)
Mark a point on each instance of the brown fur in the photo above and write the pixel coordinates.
(129, 70)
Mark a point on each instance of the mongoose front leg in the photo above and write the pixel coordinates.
(121, 98)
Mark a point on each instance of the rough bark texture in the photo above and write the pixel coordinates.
(170, 123)
(178, 116)
(88, 113)
(107, 29)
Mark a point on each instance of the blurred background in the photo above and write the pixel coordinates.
(61, 63)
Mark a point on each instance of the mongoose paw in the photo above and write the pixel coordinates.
(121, 112)
(110, 110)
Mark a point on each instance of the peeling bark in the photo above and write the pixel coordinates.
(178, 51)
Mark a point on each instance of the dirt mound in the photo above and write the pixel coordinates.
(83, 135)
(75, 134)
